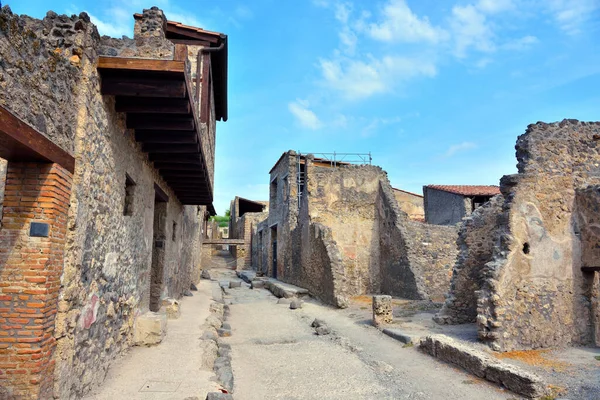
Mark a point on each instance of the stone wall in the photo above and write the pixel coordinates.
(587, 225)
(415, 258)
(444, 208)
(535, 294)
(3, 166)
(477, 239)
(343, 199)
(411, 204)
(48, 78)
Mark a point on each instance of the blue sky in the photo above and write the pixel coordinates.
(437, 91)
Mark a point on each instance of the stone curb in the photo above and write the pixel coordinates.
(483, 365)
(396, 334)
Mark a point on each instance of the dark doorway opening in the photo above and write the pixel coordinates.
(274, 251)
(159, 243)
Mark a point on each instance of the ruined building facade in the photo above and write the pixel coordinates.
(244, 216)
(528, 266)
(339, 232)
(108, 185)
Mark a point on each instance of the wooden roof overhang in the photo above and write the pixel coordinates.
(20, 142)
(158, 100)
(179, 33)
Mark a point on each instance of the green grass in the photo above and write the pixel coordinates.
(597, 358)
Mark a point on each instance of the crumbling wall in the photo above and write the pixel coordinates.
(477, 239)
(433, 251)
(48, 78)
(343, 199)
(535, 294)
(415, 258)
(587, 225)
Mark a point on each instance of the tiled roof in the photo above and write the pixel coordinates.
(468, 190)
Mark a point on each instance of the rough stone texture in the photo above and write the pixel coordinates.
(476, 241)
(150, 329)
(416, 259)
(295, 303)
(219, 396)
(349, 237)
(48, 78)
(382, 310)
(535, 294)
(257, 284)
(3, 165)
(483, 366)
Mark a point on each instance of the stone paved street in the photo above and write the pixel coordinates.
(277, 355)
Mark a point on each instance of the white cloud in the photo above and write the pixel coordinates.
(400, 24)
(117, 28)
(470, 30)
(495, 6)
(357, 79)
(304, 115)
(521, 44)
(457, 148)
(572, 15)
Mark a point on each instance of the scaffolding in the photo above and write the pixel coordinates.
(334, 159)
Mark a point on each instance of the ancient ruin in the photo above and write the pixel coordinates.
(338, 231)
(525, 271)
(107, 190)
(109, 182)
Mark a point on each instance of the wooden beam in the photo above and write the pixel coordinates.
(124, 86)
(150, 136)
(140, 64)
(183, 174)
(170, 148)
(152, 105)
(191, 42)
(176, 158)
(20, 142)
(191, 33)
(167, 166)
(159, 122)
(160, 195)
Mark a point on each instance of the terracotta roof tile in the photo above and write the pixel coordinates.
(468, 190)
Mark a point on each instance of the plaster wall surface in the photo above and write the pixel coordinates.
(412, 204)
(535, 294)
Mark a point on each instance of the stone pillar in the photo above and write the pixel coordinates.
(32, 241)
(382, 310)
(153, 23)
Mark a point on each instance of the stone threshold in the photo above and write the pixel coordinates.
(484, 366)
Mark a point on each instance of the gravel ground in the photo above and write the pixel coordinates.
(277, 355)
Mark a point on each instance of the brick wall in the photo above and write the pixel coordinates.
(30, 276)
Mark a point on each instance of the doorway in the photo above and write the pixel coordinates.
(274, 251)
(159, 243)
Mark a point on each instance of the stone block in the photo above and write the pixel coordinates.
(205, 274)
(219, 396)
(235, 284)
(257, 284)
(150, 329)
(172, 308)
(482, 365)
(295, 303)
(382, 310)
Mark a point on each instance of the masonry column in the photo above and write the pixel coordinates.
(32, 240)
